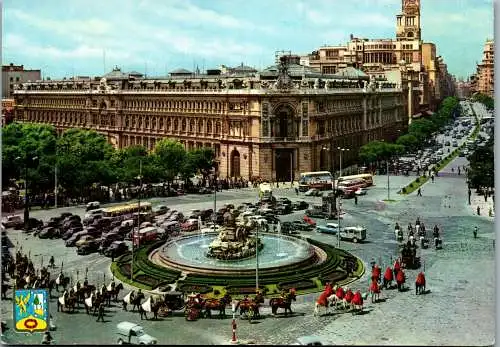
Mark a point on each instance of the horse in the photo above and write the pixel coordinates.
(62, 280)
(113, 292)
(420, 284)
(216, 304)
(357, 302)
(376, 273)
(388, 277)
(400, 280)
(66, 301)
(285, 303)
(250, 306)
(324, 300)
(375, 291)
(136, 300)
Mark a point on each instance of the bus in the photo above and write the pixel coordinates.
(367, 177)
(127, 211)
(349, 187)
(322, 180)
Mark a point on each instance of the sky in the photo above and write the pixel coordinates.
(87, 37)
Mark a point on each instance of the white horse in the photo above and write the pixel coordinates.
(330, 301)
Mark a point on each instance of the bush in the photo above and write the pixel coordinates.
(299, 285)
(147, 280)
(216, 292)
(417, 180)
(403, 190)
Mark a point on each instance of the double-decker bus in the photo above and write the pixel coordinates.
(322, 180)
(127, 211)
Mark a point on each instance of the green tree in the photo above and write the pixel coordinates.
(171, 157)
(83, 159)
(482, 167)
(21, 143)
(203, 161)
(409, 141)
(126, 163)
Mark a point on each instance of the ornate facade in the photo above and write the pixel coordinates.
(485, 74)
(273, 124)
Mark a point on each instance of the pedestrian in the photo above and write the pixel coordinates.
(419, 193)
(459, 171)
(432, 178)
(100, 313)
(452, 169)
(47, 338)
(490, 212)
(355, 199)
(478, 211)
(475, 232)
(485, 197)
(296, 191)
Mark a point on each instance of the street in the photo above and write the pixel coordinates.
(464, 266)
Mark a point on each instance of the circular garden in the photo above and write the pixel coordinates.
(305, 278)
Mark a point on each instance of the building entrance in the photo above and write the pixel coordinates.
(284, 165)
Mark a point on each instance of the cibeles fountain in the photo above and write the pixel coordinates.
(232, 250)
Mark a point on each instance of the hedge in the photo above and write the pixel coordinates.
(187, 288)
(298, 285)
(334, 277)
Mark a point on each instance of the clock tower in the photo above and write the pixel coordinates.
(408, 22)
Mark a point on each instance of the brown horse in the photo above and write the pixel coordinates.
(420, 284)
(66, 301)
(217, 304)
(285, 303)
(250, 304)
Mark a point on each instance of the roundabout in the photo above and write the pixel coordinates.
(284, 262)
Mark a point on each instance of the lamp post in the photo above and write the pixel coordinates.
(138, 220)
(341, 150)
(257, 255)
(26, 197)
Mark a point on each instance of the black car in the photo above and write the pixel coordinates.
(116, 249)
(283, 208)
(34, 224)
(301, 225)
(300, 205)
(271, 219)
(87, 248)
(48, 233)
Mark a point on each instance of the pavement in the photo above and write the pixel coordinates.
(458, 310)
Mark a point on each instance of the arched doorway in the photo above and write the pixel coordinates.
(235, 163)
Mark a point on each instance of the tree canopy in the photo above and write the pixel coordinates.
(85, 159)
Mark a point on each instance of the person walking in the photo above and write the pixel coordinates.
(355, 199)
(432, 177)
(419, 192)
(478, 211)
(475, 232)
(296, 191)
(100, 314)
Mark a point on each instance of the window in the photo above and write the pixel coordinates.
(305, 127)
(305, 109)
(183, 125)
(17, 79)
(209, 126)
(12, 79)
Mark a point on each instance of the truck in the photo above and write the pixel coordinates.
(265, 191)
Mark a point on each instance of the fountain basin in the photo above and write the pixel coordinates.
(188, 255)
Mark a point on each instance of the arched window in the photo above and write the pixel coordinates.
(169, 124)
(183, 125)
(176, 124)
(191, 125)
(218, 128)
(200, 126)
(209, 126)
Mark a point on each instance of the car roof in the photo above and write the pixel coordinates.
(306, 340)
(127, 326)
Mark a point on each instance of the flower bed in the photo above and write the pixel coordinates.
(124, 269)
(189, 288)
(298, 285)
(147, 280)
(333, 277)
(243, 290)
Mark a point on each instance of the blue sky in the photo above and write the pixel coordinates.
(68, 37)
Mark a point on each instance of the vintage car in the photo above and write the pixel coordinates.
(190, 225)
(330, 228)
(13, 221)
(131, 333)
(116, 249)
(353, 233)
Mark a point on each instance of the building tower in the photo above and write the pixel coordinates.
(408, 22)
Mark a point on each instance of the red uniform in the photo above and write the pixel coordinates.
(349, 295)
(323, 299)
(357, 299)
(328, 289)
(376, 272)
(340, 293)
(388, 274)
(400, 277)
(420, 279)
(374, 287)
(397, 266)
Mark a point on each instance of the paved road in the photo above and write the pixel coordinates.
(460, 278)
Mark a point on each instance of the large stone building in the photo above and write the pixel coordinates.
(274, 124)
(15, 74)
(485, 73)
(383, 57)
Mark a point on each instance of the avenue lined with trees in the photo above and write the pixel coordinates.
(419, 132)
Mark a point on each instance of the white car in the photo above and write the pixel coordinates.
(131, 333)
(361, 191)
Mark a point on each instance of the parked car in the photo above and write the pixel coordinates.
(132, 333)
(313, 192)
(84, 240)
(160, 210)
(93, 205)
(13, 221)
(190, 225)
(309, 221)
(116, 249)
(300, 205)
(48, 233)
(76, 236)
(87, 248)
(34, 223)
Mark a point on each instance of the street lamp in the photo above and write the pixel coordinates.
(26, 197)
(138, 220)
(341, 150)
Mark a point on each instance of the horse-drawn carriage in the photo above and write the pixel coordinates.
(399, 234)
(410, 261)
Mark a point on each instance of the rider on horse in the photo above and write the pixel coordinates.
(397, 227)
(388, 277)
(400, 279)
